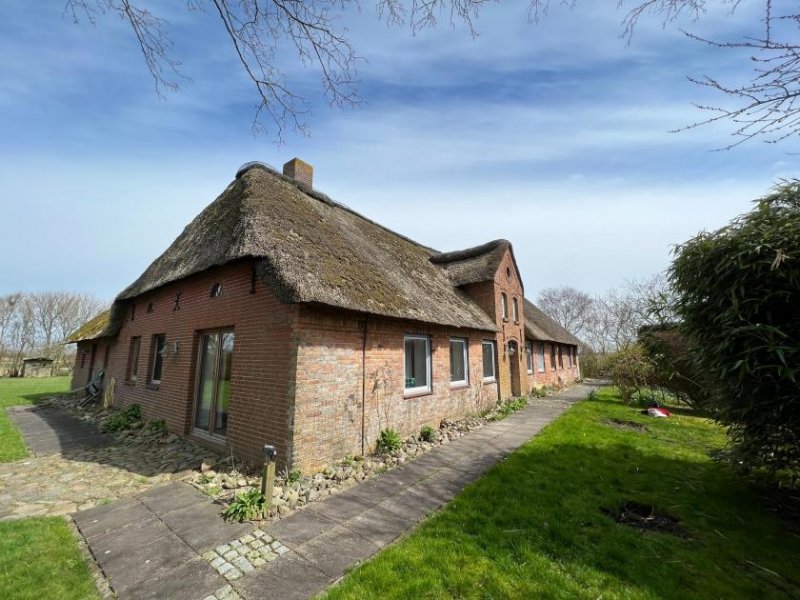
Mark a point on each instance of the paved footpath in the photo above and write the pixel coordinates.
(172, 543)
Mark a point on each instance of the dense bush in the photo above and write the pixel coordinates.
(630, 369)
(427, 433)
(738, 300)
(674, 366)
(594, 364)
(124, 419)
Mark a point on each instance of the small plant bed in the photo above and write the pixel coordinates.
(646, 518)
(238, 487)
(626, 424)
(532, 527)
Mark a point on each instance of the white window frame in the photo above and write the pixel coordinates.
(428, 365)
(540, 366)
(465, 381)
(529, 355)
(493, 345)
(515, 310)
(504, 305)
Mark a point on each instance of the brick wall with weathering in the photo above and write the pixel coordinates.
(488, 295)
(328, 394)
(555, 373)
(260, 408)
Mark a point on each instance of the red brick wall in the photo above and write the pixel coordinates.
(329, 383)
(559, 376)
(488, 296)
(83, 366)
(261, 383)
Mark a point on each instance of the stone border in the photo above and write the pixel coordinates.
(223, 486)
(245, 554)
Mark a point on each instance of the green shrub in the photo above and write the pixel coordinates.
(159, 426)
(293, 476)
(507, 407)
(122, 420)
(389, 441)
(631, 370)
(592, 395)
(247, 506)
(737, 295)
(539, 391)
(427, 433)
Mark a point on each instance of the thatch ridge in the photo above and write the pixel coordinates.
(311, 249)
(539, 326)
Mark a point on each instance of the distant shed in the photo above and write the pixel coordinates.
(37, 367)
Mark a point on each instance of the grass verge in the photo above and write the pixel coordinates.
(39, 558)
(541, 524)
(22, 390)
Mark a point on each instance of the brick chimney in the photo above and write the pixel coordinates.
(300, 171)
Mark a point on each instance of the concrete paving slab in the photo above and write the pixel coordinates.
(337, 550)
(211, 533)
(378, 525)
(191, 581)
(300, 527)
(290, 578)
(173, 496)
(111, 517)
(48, 431)
(127, 570)
(344, 506)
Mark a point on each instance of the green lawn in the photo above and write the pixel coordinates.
(40, 559)
(536, 525)
(22, 390)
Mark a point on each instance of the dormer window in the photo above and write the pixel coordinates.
(504, 305)
(216, 290)
(515, 310)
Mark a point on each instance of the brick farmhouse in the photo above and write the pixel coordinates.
(282, 317)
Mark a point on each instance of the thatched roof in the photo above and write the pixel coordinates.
(90, 330)
(311, 249)
(474, 265)
(538, 326)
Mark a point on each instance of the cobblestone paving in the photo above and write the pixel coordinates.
(83, 478)
(245, 554)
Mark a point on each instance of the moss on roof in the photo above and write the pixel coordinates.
(539, 326)
(92, 329)
(311, 249)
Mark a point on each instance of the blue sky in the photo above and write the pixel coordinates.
(554, 136)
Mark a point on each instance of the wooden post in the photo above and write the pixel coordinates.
(268, 482)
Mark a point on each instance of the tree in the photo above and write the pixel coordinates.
(737, 292)
(259, 29)
(570, 307)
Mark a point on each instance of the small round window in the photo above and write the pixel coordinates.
(216, 290)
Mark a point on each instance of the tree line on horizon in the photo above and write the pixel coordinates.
(35, 324)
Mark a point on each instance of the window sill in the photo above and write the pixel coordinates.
(153, 385)
(489, 380)
(505, 319)
(462, 385)
(417, 394)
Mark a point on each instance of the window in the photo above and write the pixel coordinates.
(553, 357)
(418, 363)
(504, 305)
(540, 357)
(133, 358)
(216, 290)
(529, 355)
(560, 357)
(159, 350)
(488, 360)
(149, 307)
(458, 361)
(515, 310)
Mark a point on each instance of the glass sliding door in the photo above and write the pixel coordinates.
(214, 382)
